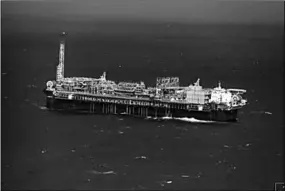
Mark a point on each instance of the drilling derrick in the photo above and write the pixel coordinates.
(60, 66)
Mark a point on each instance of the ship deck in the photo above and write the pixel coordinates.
(163, 103)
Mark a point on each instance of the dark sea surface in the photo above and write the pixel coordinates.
(51, 150)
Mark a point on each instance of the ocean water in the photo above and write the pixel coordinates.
(52, 150)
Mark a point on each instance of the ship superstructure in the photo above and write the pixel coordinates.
(167, 98)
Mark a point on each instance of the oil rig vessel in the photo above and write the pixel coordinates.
(167, 99)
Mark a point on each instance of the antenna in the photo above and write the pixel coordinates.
(103, 77)
(60, 66)
(198, 82)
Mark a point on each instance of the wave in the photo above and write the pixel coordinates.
(187, 119)
(101, 173)
(43, 107)
(261, 112)
(31, 86)
(40, 106)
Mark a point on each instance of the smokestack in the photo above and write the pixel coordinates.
(60, 66)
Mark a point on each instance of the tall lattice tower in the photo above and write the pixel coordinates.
(60, 66)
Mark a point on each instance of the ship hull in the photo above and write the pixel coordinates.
(78, 106)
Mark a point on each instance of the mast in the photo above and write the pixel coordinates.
(60, 66)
